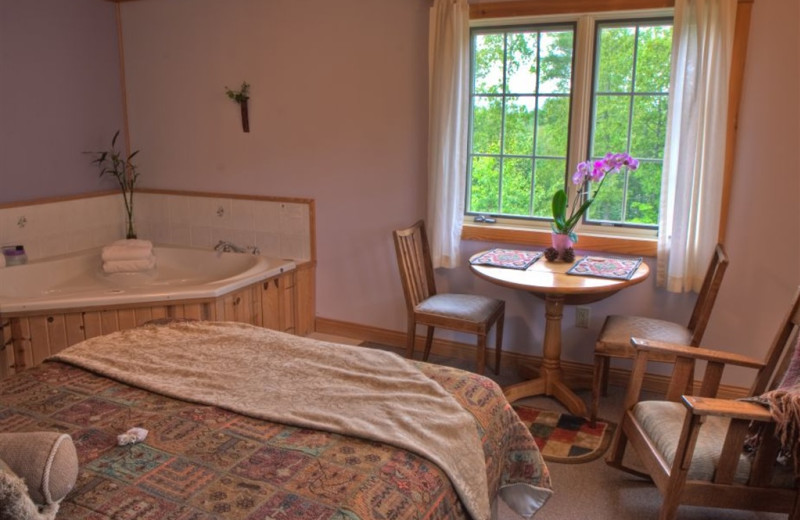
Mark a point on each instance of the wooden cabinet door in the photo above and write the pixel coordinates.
(304, 299)
(243, 306)
(278, 303)
(288, 308)
(6, 350)
(271, 303)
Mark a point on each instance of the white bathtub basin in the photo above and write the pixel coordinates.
(78, 280)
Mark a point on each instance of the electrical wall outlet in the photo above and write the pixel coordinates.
(582, 315)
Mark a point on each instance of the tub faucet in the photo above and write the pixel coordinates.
(223, 246)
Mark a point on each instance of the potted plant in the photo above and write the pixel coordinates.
(563, 226)
(113, 162)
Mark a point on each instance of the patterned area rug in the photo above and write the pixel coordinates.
(566, 438)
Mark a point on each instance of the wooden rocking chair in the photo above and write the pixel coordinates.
(691, 446)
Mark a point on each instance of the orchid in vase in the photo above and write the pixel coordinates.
(586, 173)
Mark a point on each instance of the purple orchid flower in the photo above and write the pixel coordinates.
(587, 171)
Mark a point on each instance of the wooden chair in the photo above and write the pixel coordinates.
(691, 446)
(617, 331)
(469, 313)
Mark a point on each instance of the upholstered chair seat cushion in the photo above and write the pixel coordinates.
(662, 420)
(468, 307)
(615, 336)
(46, 461)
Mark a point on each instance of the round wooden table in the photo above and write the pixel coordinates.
(549, 281)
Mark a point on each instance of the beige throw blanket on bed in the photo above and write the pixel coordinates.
(261, 373)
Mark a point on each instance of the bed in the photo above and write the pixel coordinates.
(244, 422)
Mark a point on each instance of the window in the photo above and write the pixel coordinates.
(520, 116)
(547, 96)
(629, 113)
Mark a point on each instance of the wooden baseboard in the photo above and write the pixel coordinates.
(510, 360)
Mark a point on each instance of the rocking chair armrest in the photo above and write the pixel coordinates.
(734, 409)
(705, 354)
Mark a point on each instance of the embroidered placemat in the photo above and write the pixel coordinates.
(606, 267)
(510, 258)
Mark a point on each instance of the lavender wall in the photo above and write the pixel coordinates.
(338, 113)
(59, 95)
(764, 226)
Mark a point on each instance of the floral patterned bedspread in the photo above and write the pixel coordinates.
(202, 462)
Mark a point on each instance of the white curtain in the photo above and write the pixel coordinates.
(448, 106)
(694, 159)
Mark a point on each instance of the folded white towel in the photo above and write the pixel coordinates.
(133, 242)
(127, 250)
(129, 266)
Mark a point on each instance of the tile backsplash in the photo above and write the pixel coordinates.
(55, 228)
(278, 228)
(281, 229)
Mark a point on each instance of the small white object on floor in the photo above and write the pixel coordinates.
(131, 436)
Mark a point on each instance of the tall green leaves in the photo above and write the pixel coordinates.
(114, 162)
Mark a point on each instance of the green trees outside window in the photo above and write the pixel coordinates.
(520, 119)
(522, 88)
(629, 97)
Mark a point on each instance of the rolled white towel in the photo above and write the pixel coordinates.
(129, 266)
(127, 250)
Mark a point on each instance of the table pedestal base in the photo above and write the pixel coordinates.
(556, 388)
(550, 282)
(550, 381)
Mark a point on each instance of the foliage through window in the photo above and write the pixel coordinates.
(523, 84)
(520, 116)
(629, 98)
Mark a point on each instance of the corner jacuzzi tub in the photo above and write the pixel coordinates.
(48, 305)
(78, 281)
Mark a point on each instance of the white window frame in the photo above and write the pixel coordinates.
(580, 115)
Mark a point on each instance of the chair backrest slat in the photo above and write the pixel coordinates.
(708, 294)
(414, 262)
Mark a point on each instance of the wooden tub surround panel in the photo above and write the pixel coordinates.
(29, 338)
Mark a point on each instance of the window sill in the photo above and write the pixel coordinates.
(541, 238)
